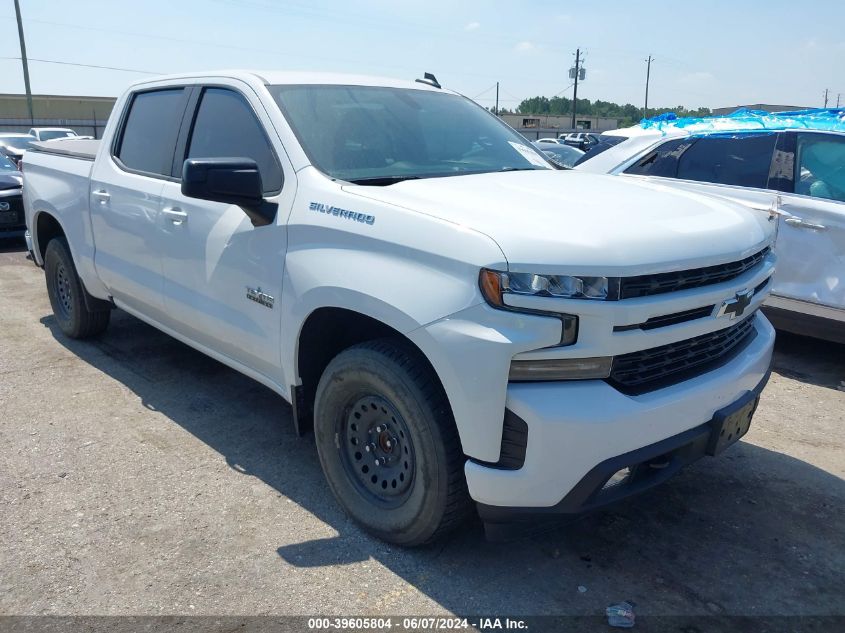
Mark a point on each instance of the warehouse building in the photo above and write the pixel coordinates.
(85, 115)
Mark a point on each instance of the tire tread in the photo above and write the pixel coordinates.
(458, 506)
(86, 323)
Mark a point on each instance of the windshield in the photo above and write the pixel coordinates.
(18, 142)
(6, 164)
(376, 135)
(49, 135)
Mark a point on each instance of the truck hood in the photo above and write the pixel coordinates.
(568, 221)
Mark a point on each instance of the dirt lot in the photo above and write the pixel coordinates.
(138, 476)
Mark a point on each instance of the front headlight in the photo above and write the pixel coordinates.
(495, 284)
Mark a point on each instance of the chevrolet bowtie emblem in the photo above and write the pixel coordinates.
(734, 307)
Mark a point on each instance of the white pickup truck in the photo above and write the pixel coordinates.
(456, 320)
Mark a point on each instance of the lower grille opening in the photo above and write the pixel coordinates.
(651, 369)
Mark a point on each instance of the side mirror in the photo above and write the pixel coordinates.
(231, 181)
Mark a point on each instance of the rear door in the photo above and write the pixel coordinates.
(126, 186)
(811, 238)
(215, 262)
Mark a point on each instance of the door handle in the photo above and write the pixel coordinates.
(175, 215)
(799, 223)
(102, 195)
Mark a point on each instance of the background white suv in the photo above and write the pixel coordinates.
(790, 164)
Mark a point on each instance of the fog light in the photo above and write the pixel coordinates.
(618, 478)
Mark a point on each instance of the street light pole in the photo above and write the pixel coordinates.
(647, 77)
(25, 66)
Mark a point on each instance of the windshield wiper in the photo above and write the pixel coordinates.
(382, 181)
(520, 169)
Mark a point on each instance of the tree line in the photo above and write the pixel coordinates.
(627, 114)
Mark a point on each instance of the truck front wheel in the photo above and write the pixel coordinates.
(388, 444)
(67, 294)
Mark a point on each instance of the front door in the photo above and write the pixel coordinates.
(222, 275)
(811, 236)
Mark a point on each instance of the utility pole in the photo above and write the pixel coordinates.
(838, 96)
(575, 93)
(497, 99)
(23, 61)
(826, 90)
(647, 77)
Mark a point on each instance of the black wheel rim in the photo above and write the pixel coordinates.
(63, 291)
(377, 451)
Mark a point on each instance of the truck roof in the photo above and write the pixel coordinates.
(276, 77)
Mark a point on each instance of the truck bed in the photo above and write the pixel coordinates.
(84, 149)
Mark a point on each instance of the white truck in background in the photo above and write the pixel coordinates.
(456, 320)
(52, 133)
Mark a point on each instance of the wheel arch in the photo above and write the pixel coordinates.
(326, 332)
(45, 227)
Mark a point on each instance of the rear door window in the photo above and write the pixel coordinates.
(226, 127)
(148, 139)
(743, 160)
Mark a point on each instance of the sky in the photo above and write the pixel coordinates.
(710, 54)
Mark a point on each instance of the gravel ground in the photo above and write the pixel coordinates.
(139, 477)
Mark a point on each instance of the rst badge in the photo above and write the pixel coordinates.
(255, 294)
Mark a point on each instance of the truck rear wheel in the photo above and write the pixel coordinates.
(388, 444)
(67, 294)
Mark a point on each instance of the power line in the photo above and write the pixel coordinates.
(125, 70)
(483, 92)
(286, 55)
(562, 91)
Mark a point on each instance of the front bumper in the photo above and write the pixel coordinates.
(578, 431)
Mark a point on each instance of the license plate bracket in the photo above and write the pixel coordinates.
(731, 423)
(8, 217)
